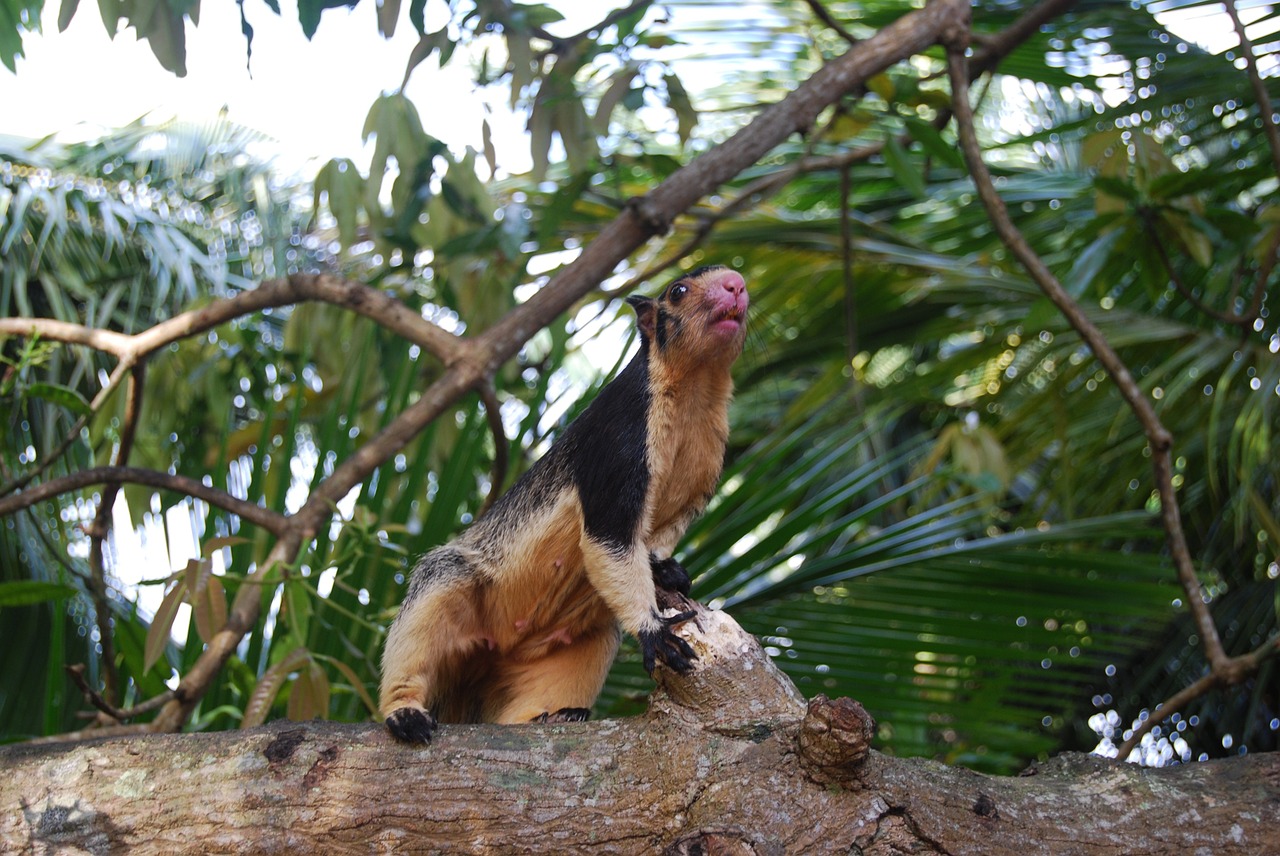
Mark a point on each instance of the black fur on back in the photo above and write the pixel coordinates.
(603, 454)
(606, 452)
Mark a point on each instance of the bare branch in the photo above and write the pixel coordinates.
(372, 303)
(264, 517)
(1243, 666)
(108, 341)
(825, 16)
(98, 533)
(76, 673)
(1259, 88)
(1159, 439)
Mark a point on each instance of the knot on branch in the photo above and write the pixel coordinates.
(834, 739)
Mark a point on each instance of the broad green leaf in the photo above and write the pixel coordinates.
(63, 396)
(906, 172)
(682, 105)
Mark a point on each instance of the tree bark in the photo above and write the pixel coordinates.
(728, 760)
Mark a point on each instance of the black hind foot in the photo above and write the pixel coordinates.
(411, 725)
(565, 714)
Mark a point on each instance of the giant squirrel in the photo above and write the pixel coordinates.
(516, 620)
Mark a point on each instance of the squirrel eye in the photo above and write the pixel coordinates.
(678, 291)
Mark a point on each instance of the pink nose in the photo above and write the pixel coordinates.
(733, 283)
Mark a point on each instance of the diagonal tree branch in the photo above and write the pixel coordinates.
(1224, 670)
(1265, 113)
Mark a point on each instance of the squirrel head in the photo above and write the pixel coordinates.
(701, 316)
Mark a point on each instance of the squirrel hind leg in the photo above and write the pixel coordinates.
(428, 647)
(560, 686)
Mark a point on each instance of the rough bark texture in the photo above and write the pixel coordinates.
(729, 760)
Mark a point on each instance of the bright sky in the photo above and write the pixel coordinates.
(312, 97)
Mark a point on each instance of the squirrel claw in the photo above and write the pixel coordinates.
(661, 643)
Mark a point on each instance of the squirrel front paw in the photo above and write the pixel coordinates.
(660, 643)
(670, 574)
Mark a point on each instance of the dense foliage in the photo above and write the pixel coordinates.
(935, 501)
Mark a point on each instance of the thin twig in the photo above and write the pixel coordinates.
(1259, 88)
(1244, 321)
(98, 533)
(1159, 439)
(119, 714)
(270, 520)
(824, 15)
(1245, 665)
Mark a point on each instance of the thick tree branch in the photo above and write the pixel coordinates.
(728, 760)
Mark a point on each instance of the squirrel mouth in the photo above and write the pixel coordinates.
(730, 318)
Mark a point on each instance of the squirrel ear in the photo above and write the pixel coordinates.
(646, 314)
